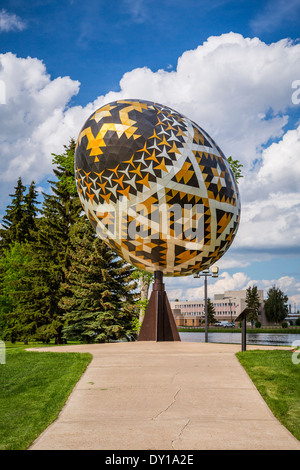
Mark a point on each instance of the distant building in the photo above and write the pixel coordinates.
(228, 306)
(292, 317)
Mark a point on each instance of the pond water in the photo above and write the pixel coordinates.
(263, 339)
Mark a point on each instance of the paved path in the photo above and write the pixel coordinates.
(163, 396)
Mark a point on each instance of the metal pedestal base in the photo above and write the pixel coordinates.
(159, 323)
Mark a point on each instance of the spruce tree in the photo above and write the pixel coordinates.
(62, 208)
(20, 218)
(210, 312)
(28, 290)
(252, 301)
(50, 261)
(64, 170)
(31, 211)
(37, 311)
(19, 224)
(99, 291)
(12, 221)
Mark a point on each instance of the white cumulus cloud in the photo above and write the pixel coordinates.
(10, 22)
(271, 210)
(238, 89)
(33, 119)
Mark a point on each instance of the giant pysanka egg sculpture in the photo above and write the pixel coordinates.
(156, 187)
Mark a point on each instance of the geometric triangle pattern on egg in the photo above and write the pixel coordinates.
(156, 187)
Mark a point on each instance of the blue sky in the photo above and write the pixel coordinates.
(232, 66)
(98, 41)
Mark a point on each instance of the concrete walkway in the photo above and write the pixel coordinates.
(164, 396)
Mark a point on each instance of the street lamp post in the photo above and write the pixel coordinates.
(205, 273)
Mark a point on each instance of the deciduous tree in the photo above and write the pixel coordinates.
(236, 167)
(145, 279)
(276, 308)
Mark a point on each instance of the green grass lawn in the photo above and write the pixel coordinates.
(277, 379)
(33, 389)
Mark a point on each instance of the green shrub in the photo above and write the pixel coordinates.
(257, 324)
(284, 324)
(298, 321)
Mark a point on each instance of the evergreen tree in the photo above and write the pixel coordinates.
(39, 291)
(19, 219)
(276, 308)
(64, 170)
(99, 298)
(30, 213)
(210, 312)
(19, 223)
(12, 230)
(62, 208)
(51, 247)
(252, 301)
(37, 311)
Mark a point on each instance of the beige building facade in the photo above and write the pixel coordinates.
(228, 306)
